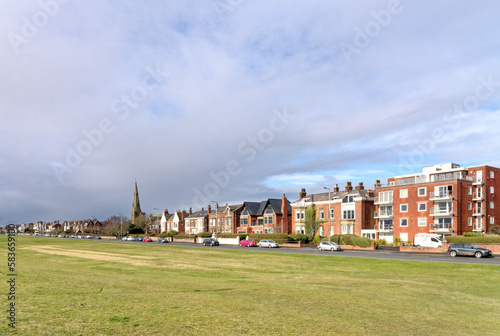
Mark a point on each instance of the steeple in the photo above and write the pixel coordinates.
(136, 206)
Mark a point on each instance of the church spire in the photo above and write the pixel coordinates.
(136, 206)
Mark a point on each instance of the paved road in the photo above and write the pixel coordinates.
(382, 253)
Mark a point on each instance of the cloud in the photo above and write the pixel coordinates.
(226, 75)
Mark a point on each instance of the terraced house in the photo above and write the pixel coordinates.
(270, 216)
(340, 212)
(224, 219)
(443, 199)
(196, 222)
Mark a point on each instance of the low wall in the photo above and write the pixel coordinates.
(350, 247)
(222, 241)
(420, 249)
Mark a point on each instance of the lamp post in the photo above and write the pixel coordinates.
(121, 225)
(158, 212)
(216, 217)
(329, 211)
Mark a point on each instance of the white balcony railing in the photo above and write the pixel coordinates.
(441, 227)
(477, 196)
(440, 195)
(477, 180)
(478, 227)
(385, 227)
(383, 214)
(477, 212)
(384, 200)
(441, 212)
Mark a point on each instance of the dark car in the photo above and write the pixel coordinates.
(210, 242)
(467, 249)
(162, 240)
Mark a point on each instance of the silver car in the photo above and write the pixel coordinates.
(268, 243)
(329, 246)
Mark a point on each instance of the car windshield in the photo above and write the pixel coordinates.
(270, 241)
(474, 246)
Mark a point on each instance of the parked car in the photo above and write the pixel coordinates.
(147, 239)
(130, 238)
(138, 239)
(329, 246)
(162, 240)
(268, 243)
(427, 240)
(210, 242)
(247, 243)
(95, 237)
(125, 238)
(467, 249)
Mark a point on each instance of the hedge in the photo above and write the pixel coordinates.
(280, 238)
(351, 240)
(486, 239)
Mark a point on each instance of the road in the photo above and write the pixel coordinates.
(383, 252)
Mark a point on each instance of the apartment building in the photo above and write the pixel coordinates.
(349, 211)
(225, 218)
(443, 199)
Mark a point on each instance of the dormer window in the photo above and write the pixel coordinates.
(348, 199)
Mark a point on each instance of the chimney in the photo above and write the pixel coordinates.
(284, 211)
(336, 188)
(360, 186)
(377, 183)
(209, 209)
(302, 193)
(348, 186)
(190, 211)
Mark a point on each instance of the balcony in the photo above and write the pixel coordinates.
(478, 227)
(441, 212)
(383, 214)
(439, 196)
(384, 200)
(385, 228)
(477, 196)
(478, 212)
(477, 180)
(441, 227)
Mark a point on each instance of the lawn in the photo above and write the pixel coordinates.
(80, 287)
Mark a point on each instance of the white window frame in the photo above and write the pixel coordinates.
(425, 206)
(401, 207)
(469, 205)
(331, 230)
(422, 221)
(403, 193)
(492, 220)
(492, 174)
(321, 213)
(425, 191)
(297, 213)
(492, 189)
(469, 221)
(401, 222)
(492, 205)
(470, 190)
(331, 213)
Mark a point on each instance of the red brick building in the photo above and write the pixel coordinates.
(270, 216)
(342, 212)
(444, 199)
(228, 217)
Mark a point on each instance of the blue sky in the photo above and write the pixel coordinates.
(235, 100)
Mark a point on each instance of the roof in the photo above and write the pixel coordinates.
(198, 214)
(336, 195)
(257, 209)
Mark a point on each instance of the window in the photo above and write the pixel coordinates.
(492, 174)
(492, 220)
(269, 210)
(261, 221)
(403, 222)
(403, 208)
(348, 199)
(422, 206)
(347, 229)
(321, 232)
(492, 205)
(492, 189)
(321, 214)
(469, 205)
(331, 213)
(469, 221)
(348, 214)
(331, 230)
(265, 221)
(344, 229)
(270, 220)
(422, 191)
(422, 221)
(403, 193)
(385, 197)
(470, 190)
(404, 236)
(244, 212)
(297, 213)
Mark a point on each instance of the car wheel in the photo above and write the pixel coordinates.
(453, 253)
(269, 246)
(319, 248)
(241, 245)
(478, 255)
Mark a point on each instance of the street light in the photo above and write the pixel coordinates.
(158, 213)
(329, 210)
(216, 217)
(121, 225)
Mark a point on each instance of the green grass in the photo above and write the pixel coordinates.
(139, 289)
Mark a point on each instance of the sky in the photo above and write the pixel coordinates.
(234, 100)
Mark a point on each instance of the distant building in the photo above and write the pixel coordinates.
(225, 218)
(137, 214)
(269, 216)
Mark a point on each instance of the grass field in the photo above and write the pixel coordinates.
(79, 287)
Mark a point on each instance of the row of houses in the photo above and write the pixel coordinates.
(444, 199)
(76, 226)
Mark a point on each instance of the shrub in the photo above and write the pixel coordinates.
(361, 241)
(381, 242)
(172, 233)
(397, 241)
(486, 239)
(316, 239)
(495, 229)
(301, 237)
(184, 236)
(205, 234)
(228, 235)
(280, 238)
(472, 234)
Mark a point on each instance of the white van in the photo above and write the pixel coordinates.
(427, 240)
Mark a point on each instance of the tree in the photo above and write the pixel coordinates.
(311, 223)
(495, 229)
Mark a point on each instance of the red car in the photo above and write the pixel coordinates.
(247, 243)
(147, 239)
